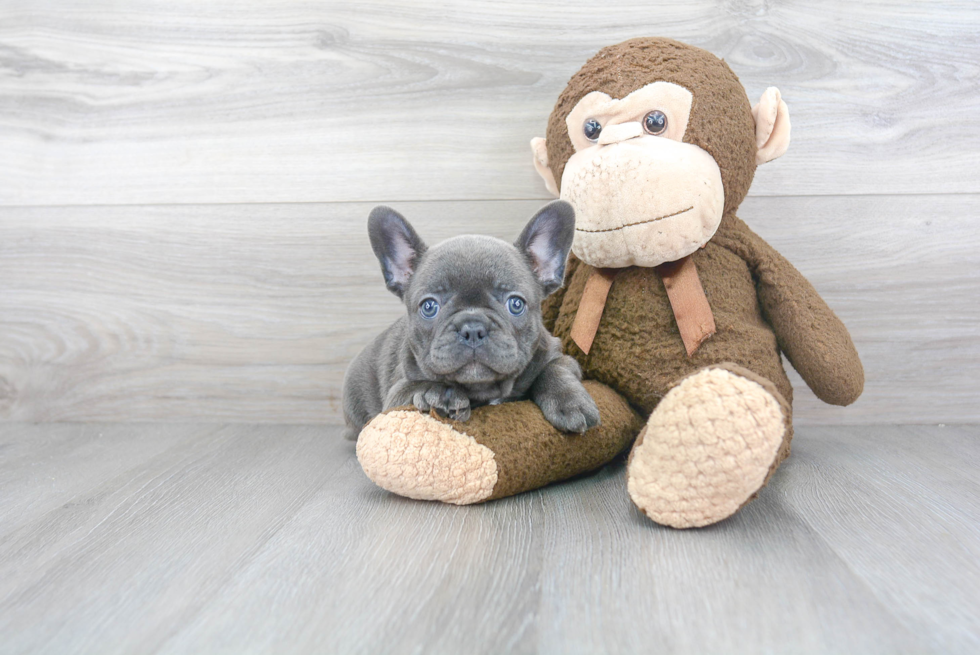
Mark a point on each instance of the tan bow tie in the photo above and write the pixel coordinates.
(684, 291)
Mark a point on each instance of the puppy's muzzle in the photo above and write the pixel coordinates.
(473, 333)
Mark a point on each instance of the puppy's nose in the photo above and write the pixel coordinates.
(473, 333)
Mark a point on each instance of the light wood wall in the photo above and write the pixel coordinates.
(184, 186)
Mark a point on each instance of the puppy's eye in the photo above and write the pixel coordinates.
(429, 307)
(516, 305)
(655, 122)
(592, 128)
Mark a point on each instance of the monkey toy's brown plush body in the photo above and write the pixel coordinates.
(675, 309)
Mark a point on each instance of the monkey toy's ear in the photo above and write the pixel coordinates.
(771, 126)
(539, 148)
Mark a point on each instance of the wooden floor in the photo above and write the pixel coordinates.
(169, 538)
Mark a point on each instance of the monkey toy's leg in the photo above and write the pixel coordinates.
(500, 451)
(709, 446)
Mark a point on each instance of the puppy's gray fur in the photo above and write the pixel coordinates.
(476, 349)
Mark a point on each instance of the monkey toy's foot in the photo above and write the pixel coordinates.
(419, 456)
(501, 451)
(708, 447)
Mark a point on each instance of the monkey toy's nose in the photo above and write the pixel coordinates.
(473, 334)
(615, 133)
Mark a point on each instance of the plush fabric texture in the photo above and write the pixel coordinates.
(591, 305)
(708, 447)
(814, 340)
(620, 69)
(672, 99)
(692, 313)
(531, 453)
(638, 348)
(413, 455)
(501, 451)
(719, 422)
(653, 223)
(761, 305)
(772, 126)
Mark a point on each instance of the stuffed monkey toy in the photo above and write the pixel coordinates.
(675, 309)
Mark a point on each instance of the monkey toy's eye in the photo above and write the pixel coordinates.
(592, 129)
(429, 307)
(516, 305)
(655, 122)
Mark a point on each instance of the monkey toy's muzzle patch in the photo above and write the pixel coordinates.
(672, 209)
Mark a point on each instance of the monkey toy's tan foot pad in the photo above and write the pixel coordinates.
(416, 456)
(501, 451)
(708, 447)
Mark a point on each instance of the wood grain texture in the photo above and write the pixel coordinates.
(251, 313)
(270, 539)
(184, 102)
(54, 461)
(226, 493)
(895, 482)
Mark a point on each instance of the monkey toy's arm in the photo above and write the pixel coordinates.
(815, 341)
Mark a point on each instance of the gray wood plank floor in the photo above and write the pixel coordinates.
(174, 538)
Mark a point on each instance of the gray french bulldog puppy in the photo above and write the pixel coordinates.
(473, 333)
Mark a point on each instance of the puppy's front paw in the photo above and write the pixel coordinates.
(447, 401)
(570, 410)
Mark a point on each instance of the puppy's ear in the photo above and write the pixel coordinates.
(545, 242)
(396, 246)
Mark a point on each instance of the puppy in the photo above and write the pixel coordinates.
(473, 333)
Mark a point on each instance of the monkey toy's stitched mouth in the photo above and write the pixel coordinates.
(649, 220)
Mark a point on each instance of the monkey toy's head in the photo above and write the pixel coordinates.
(654, 142)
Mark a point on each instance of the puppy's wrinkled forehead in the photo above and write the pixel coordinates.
(471, 266)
